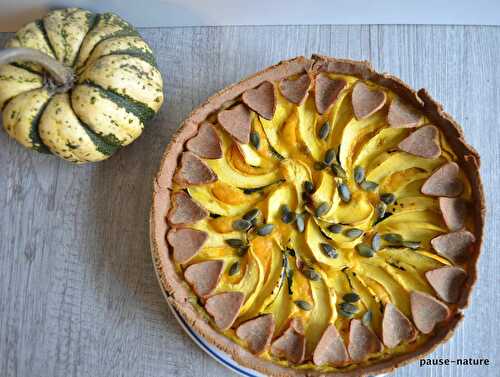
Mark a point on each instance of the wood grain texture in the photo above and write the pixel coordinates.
(78, 296)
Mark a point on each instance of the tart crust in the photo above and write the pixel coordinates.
(176, 289)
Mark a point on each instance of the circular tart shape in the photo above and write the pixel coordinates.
(319, 218)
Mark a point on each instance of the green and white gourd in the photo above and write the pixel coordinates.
(79, 85)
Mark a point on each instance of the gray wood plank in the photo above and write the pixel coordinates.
(78, 296)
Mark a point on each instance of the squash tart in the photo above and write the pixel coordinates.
(319, 218)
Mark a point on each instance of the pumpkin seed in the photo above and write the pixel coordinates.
(368, 186)
(380, 209)
(335, 228)
(311, 274)
(376, 242)
(308, 187)
(388, 198)
(243, 250)
(264, 229)
(285, 209)
(306, 198)
(344, 193)
(353, 233)
(299, 222)
(241, 224)
(364, 250)
(304, 305)
(349, 308)
(255, 139)
(321, 209)
(414, 245)
(330, 155)
(252, 214)
(367, 318)
(287, 216)
(359, 174)
(344, 314)
(351, 297)
(338, 170)
(324, 131)
(319, 165)
(328, 250)
(234, 269)
(234, 242)
(394, 238)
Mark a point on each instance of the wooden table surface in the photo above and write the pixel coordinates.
(78, 295)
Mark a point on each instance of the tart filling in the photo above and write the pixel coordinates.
(322, 222)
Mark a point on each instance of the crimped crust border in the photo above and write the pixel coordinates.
(177, 291)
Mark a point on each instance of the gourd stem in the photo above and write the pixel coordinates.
(61, 74)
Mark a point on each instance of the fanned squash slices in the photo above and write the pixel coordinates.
(335, 216)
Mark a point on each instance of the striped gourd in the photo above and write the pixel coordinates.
(78, 85)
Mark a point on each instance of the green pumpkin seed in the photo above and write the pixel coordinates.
(241, 224)
(393, 238)
(311, 274)
(328, 250)
(319, 165)
(414, 245)
(388, 198)
(285, 209)
(234, 242)
(330, 155)
(376, 242)
(255, 139)
(306, 198)
(367, 318)
(321, 209)
(344, 193)
(380, 209)
(338, 171)
(364, 250)
(351, 297)
(252, 214)
(243, 250)
(359, 174)
(264, 229)
(335, 228)
(299, 222)
(353, 233)
(304, 305)
(344, 314)
(349, 308)
(308, 187)
(368, 186)
(287, 216)
(324, 131)
(234, 269)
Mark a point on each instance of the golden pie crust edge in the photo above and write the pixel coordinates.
(174, 287)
